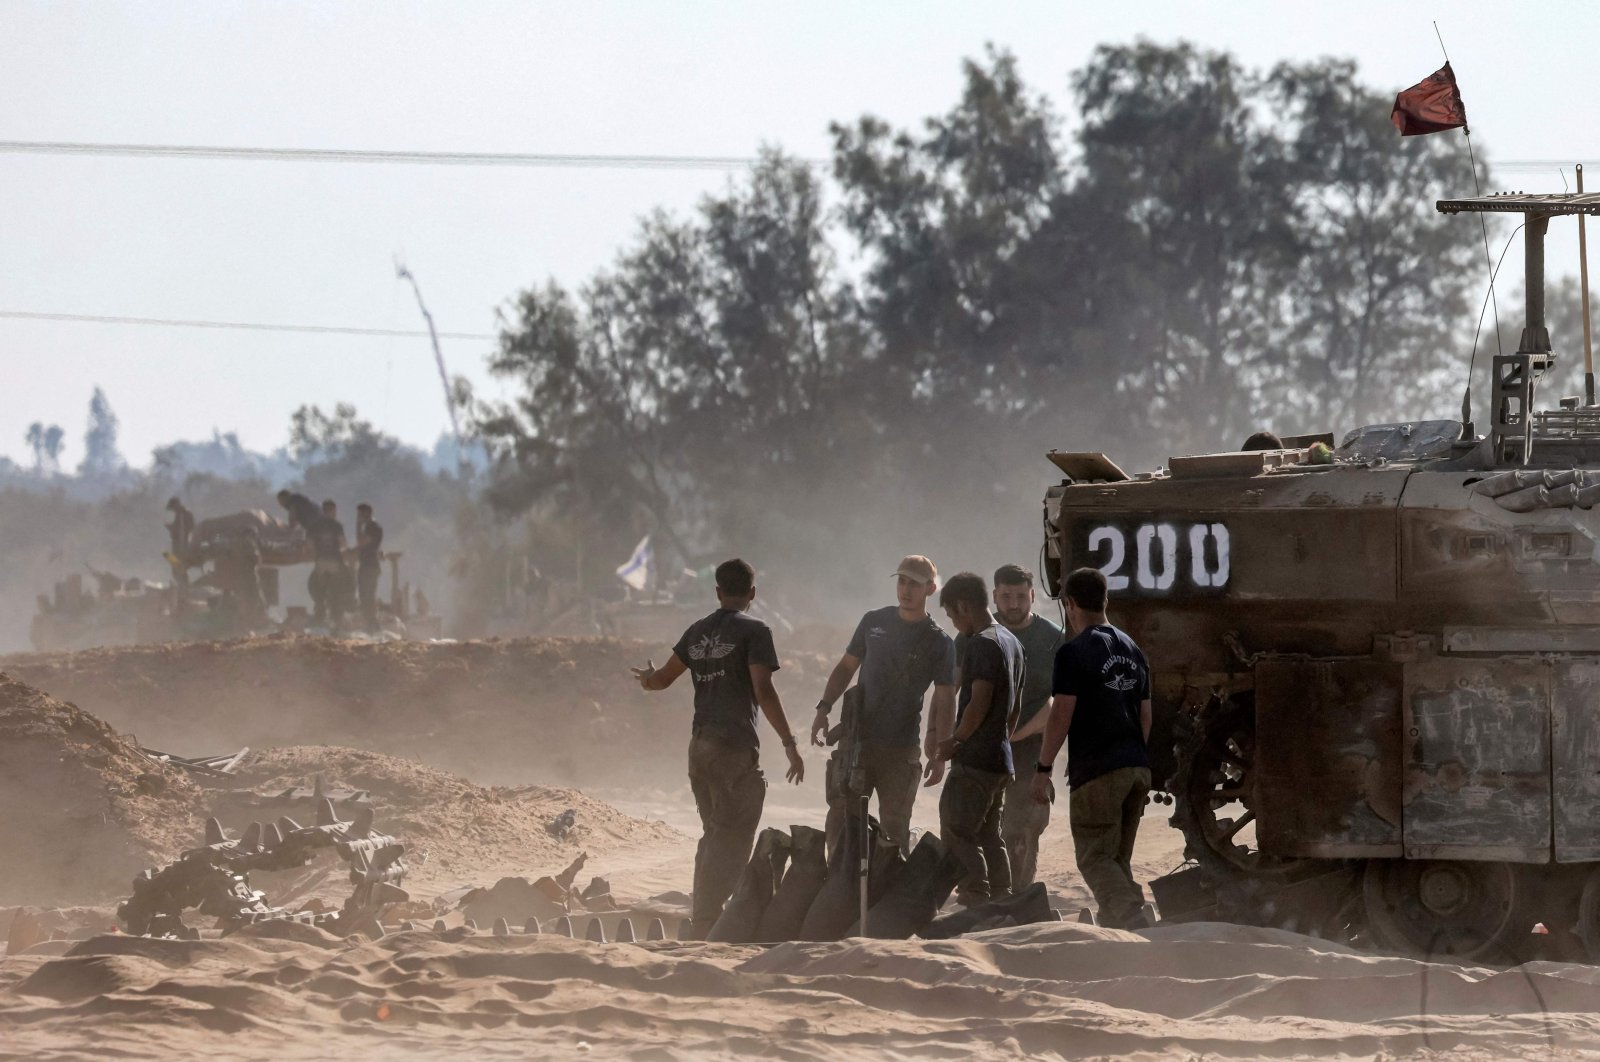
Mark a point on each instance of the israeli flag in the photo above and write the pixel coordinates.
(640, 567)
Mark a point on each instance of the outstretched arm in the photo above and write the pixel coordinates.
(838, 682)
(772, 708)
(651, 678)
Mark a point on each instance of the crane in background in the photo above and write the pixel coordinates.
(403, 273)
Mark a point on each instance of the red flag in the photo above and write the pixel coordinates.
(1432, 105)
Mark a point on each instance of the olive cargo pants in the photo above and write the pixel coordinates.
(729, 791)
(891, 771)
(1105, 814)
(969, 826)
(1023, 819)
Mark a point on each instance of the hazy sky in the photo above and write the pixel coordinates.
(310, 243)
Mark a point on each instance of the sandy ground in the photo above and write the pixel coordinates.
(1051, 990)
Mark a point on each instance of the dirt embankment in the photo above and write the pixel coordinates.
(83, 812)
(557, 711)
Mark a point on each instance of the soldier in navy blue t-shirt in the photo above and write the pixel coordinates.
(992, 678)
(1101, 708)
(730, 656)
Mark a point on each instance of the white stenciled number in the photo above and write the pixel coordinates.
(1112, 539)
(1158, 561)
(1204, 574)
(1152, 577)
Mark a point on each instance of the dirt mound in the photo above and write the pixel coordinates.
(457, 833)
(84, 812)
(557, 710)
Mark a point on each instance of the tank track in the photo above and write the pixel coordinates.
(1317, 897)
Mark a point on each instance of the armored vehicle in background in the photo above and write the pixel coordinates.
(1377, 667)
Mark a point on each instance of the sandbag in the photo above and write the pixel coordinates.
(741, 917)
(1028, 906)
(913, 900)
(839, 903)
(808, 869)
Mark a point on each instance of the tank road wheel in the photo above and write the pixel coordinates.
(1447, 909)
(1214, 791)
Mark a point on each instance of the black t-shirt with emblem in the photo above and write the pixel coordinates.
(899, 661)
(718, 652)
(1108, 674)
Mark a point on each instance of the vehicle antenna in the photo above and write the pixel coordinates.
(1583, 286)
(1488, 259)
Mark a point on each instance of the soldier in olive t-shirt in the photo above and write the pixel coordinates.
(1024, 819)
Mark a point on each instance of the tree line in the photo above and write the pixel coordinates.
(1198, 250)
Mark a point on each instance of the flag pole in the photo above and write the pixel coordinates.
(1488, 257)
(1583, 283)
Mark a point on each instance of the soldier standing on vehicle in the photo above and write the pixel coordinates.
(980, 748)
(181, 528)
(301, 509)
(369, 556)
(1101, 707)
(900, 652)
(731, 658)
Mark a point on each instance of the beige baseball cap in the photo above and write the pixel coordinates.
(917, 567)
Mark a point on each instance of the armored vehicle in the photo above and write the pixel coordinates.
(1377, 666)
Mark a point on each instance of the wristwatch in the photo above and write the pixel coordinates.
(1044, 768)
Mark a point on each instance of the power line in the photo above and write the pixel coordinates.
(548, 160)
(426, 158)
(86, 318)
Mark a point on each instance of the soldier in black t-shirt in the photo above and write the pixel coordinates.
(329, 583)
(730, 657)
(992, 678)
(1101, 708)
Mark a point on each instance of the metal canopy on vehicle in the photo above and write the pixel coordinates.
(1545, 204)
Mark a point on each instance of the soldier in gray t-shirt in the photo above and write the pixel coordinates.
(899, 651)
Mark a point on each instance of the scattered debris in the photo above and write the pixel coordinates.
(563, 825)
(214, 878)
(205, 769)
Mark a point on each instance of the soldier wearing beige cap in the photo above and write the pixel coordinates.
(899, 651)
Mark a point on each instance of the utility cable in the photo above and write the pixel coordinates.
(86, 318)
(426, 158)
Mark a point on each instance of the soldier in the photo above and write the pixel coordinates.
(731, 658)
(181, 528)
(329, 576)
(1024, 819)
(1102, 700)
(900, 652)
(980, 748)
(302, 510)
(369, 555)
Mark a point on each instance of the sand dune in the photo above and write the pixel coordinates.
(1056, 990)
